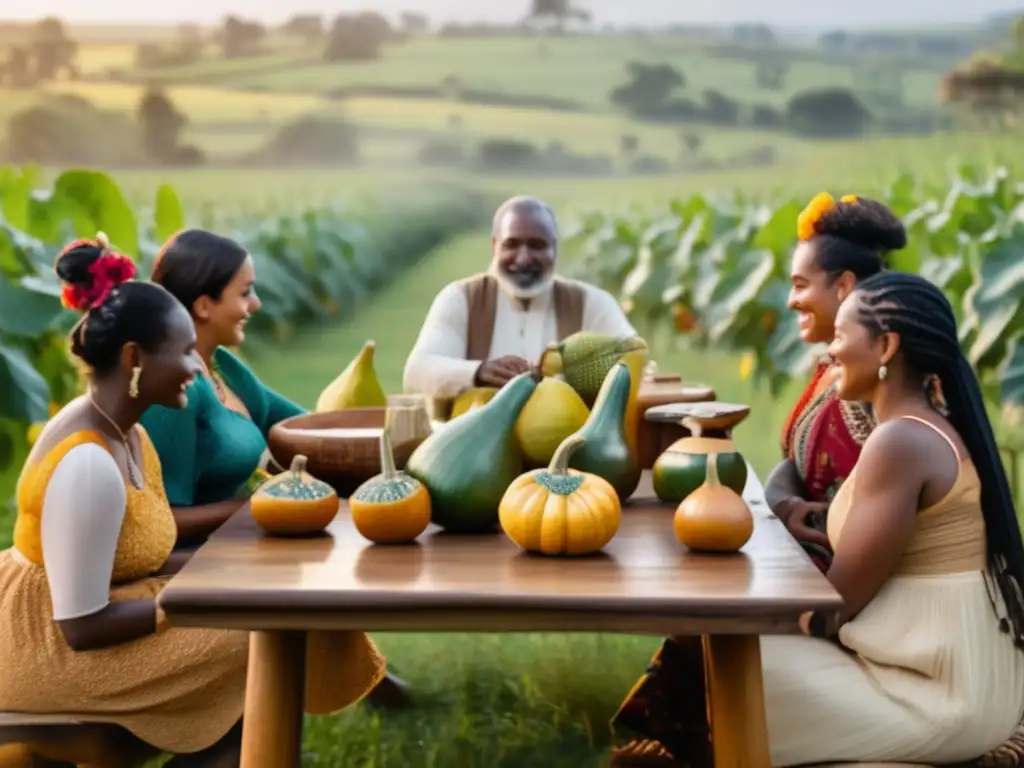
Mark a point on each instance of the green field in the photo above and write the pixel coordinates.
(235, 105)
(492, 700)
(582, 69)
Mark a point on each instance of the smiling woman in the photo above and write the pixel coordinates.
(212, 448)
(840, 244)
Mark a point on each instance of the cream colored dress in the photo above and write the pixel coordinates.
(925, 674)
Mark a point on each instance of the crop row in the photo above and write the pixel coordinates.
(310, 266)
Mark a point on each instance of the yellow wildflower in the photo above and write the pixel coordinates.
(807, 222)
(747, 363)
(849, 199)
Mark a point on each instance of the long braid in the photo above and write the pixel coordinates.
(919, 312)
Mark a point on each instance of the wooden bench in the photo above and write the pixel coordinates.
(65, 741)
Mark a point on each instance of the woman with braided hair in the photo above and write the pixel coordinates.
(841, 242)
(927, 662)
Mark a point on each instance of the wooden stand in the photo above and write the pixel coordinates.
(664, 389)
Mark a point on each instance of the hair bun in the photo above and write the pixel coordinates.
(862, 221)
(90, 272)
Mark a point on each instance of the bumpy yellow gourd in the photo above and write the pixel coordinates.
(391, 508)
(558, 511)
(294, 503)
(714, 518)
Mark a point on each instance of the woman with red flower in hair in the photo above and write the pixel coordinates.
(80, 630)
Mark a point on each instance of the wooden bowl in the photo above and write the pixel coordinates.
(342, 447)
(711, 415)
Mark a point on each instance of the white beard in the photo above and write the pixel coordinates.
(516, 291)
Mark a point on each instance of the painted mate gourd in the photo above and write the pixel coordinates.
(468, 464)
(294, 503)
(605, 451)
(558, 511)
(391, 508)
(682, 467)
(714, 518)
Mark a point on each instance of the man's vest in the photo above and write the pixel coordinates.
(481, 292)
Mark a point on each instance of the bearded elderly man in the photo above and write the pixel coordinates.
(486, 329)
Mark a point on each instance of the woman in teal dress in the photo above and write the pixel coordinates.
(212, 449)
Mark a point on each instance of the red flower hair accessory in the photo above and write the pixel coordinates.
(110, 270)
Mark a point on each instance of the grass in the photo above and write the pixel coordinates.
(583, 69)
(864, 166)
(202, 104)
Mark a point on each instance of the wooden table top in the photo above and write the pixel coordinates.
(645, 581)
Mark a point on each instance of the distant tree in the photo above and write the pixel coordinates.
(53, 51)
(412, 23)
(987, 92)
(18, 69)
(161, 124)
(308, 27)
(559, 11)
(648, 88)
(240, 38)
(720, 109)
(357, 37)
(827, 113)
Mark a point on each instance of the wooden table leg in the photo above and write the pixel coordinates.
(739, 729)
(274, 694)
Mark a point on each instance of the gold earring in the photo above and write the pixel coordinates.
(133, 384)
(883, 373)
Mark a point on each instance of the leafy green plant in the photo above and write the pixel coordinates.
(716, 271)
(313, 265)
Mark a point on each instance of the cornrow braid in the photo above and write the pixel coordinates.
(919, 312)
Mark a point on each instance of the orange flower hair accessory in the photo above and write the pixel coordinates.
(820, 206)
(807, 222)
(110, 270)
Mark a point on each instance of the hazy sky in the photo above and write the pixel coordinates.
(811, 13)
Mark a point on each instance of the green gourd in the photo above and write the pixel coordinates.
(683, 466)
(469, 463)
(606, 451)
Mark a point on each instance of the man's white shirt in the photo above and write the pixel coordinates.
(437, 366)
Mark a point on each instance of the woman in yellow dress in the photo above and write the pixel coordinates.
(80, 630)
(926, 664)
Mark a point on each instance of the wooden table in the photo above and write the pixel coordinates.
(644, 583)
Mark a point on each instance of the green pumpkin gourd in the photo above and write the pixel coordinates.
(681, 469)
(469, 463)
(606, 452)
